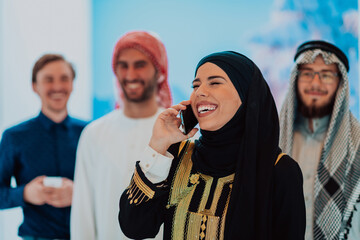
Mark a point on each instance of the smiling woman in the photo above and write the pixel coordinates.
(214, 99)
(232, 183)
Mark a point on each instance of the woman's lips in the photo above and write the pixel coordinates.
(205, 109)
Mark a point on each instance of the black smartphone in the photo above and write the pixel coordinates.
(188, 119)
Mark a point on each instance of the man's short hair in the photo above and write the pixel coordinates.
(46, 59)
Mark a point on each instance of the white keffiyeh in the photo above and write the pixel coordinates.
(337, 182)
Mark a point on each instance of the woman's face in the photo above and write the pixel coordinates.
(214, 99)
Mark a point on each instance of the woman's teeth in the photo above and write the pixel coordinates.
(203, 109)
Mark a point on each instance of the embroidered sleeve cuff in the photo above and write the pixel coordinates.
(138, 191)
(141, 189)
(155, 166)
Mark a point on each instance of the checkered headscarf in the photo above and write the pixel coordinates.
(155, 50)
(337, 183)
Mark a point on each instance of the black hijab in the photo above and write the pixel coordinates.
(247, 145)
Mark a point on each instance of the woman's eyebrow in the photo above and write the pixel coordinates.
(209, 78)
(213, 77)
(196, 80)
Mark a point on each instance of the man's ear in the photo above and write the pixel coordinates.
(161, 78)
(34, 87)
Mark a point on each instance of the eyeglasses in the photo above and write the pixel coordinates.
(325, 77)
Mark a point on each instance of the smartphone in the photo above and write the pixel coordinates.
(55, 182)
(188, 119)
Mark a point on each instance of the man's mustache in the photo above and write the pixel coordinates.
(316, 90)
(133, 81)
(58, 91)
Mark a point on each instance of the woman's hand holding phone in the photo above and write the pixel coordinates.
(166, 129)
(188, 120)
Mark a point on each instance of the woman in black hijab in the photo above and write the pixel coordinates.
(232, 183)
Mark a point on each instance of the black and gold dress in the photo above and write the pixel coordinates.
(193, 205)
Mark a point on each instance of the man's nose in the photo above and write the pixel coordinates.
(130, 73)
(316, 79)
(57, 84)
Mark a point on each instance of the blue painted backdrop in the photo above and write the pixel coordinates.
(266, 31)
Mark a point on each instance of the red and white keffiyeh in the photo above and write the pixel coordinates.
(153, 48)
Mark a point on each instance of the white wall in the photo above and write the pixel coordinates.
(29, 29)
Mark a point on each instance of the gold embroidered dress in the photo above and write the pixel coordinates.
(196, 203)
(192, 206)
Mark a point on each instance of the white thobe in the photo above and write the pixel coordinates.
(108, 150)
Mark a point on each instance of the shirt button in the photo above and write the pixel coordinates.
(147, 165)
(153, 155)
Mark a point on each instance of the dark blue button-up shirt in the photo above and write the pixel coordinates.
(33, 148)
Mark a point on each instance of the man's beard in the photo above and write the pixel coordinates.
(314, 111)
(147, 93)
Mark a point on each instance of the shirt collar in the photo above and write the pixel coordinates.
(48, 123)
(320, 125)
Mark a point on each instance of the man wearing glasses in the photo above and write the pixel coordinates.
(319, 131)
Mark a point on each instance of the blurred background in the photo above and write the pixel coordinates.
(85, 32)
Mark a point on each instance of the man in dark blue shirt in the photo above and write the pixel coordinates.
(40, 154)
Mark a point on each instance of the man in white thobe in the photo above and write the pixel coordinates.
(110, 146)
